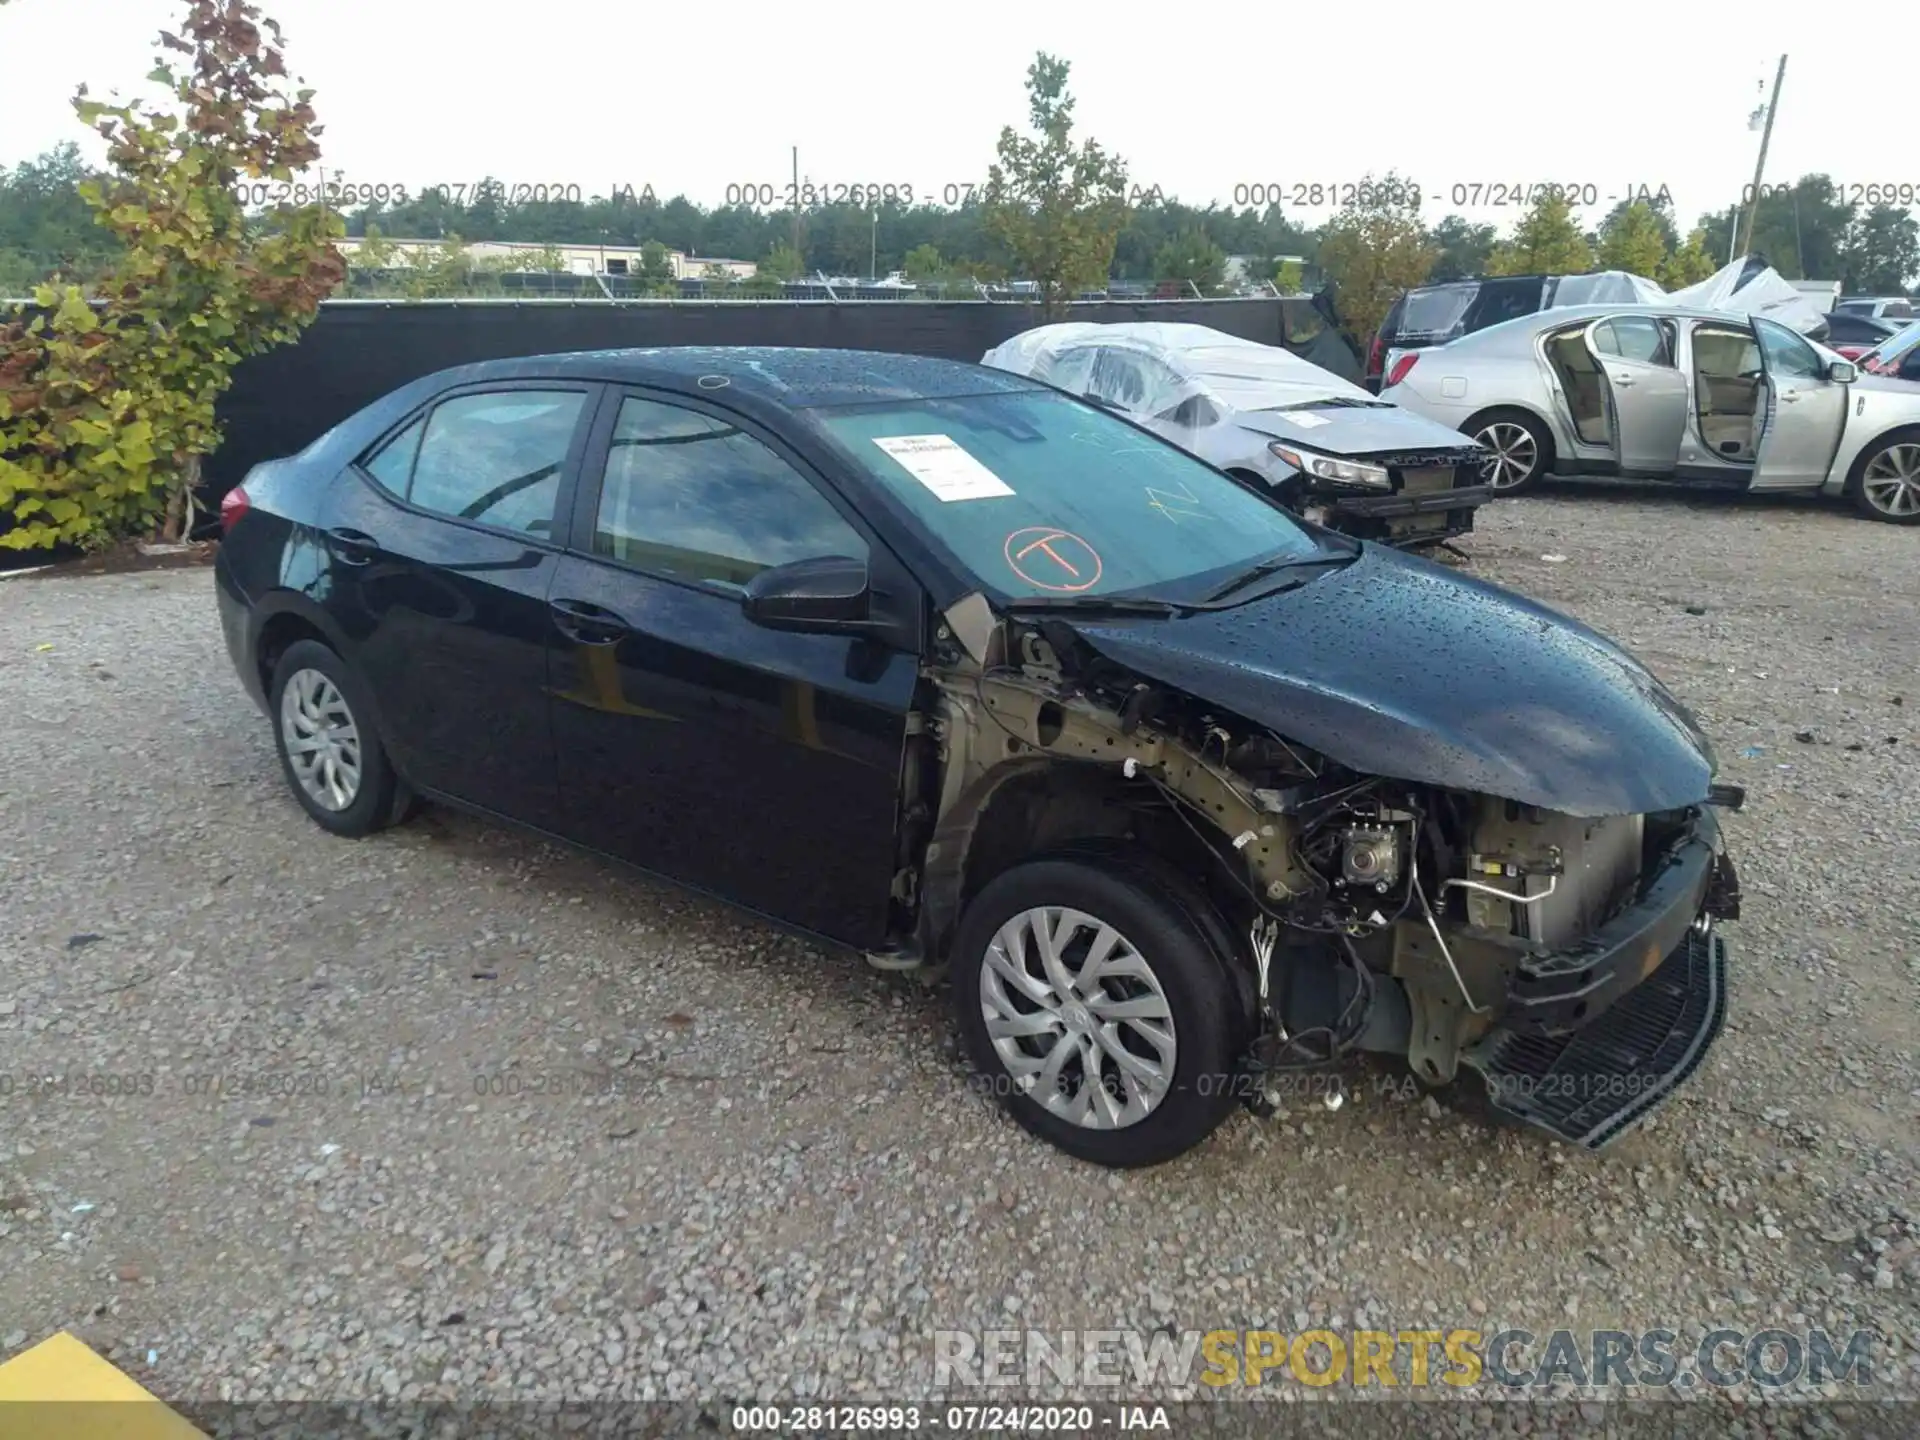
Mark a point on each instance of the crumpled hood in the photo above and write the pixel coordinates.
(1395, 666)
(1354, 430)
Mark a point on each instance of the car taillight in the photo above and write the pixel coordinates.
(1377, 356)
(232, 506)
(1400, 369)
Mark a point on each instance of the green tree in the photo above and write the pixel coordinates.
(783, 263)
(1192, 259)
(922, 264)
(1632, 240)
(1373, 249)
(1461, 249)
(1883, 252)
(1287, 279)
(655, 262)
(1689, 264)
(1545, 242)
(1057, 208)
(107, 401)
(1801, 228)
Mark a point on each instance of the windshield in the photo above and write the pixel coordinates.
(1894, 346)
(1436, 311)
(1041, 496)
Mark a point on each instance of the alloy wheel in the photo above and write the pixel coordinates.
(1078, 1017)
(1514, 454)
(321, 738)
(1891, 482)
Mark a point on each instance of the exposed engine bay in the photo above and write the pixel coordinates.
(1367, 913)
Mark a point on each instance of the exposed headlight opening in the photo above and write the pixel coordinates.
(1325, 467)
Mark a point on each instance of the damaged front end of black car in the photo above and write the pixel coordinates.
(1417, 815)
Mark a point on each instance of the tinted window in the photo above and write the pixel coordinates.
(693, 496)
(1634, 337)
(392, 466)
(496, 458)
(1787, 355)
(1037, 494)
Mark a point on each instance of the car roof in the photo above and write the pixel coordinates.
(789, 376)
(1571, 314)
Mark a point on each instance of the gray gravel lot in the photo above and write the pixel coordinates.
(455, 1113)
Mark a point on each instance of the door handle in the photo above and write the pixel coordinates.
(354, 547)
(1625, 382)
(588, 623)
(1789, 397)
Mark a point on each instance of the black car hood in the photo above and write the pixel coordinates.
(1394, 666)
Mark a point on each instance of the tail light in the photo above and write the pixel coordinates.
(1400, 368)
(233, 505)
(1377, 356)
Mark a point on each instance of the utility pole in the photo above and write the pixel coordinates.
(796, 201)
(1760, 166)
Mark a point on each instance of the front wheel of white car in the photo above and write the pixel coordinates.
(1096, 1009)
(1887, 486)
(1519, 450)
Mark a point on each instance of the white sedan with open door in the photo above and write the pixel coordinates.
(1697, 398)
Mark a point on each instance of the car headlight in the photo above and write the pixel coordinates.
(1325, 467)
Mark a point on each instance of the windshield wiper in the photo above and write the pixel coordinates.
(1273, 567)
(1102, 604)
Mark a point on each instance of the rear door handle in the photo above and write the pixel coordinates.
(588, 623)
(354, 547)
(1788, 397)
(1625, 382)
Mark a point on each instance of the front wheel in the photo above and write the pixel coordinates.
(1519, 450)
(1096, 1009)
(1889, 484)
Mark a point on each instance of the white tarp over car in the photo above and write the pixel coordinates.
(1605, 287)
(1153, 367)
(1752, 287)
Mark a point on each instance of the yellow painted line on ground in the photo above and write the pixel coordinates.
(61, 1390)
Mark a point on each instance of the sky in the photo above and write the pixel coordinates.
(1204, 104)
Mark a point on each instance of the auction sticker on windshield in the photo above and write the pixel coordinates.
(938, 462)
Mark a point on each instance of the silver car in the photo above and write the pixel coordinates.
(1709, 399)
(1262, 414)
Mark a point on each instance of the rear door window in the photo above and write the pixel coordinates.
(495, 458)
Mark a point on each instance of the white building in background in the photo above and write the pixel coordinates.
(574, 259)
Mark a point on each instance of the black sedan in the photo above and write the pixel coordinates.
(946, 667)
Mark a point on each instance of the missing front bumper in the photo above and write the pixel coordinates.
(1592, 1086)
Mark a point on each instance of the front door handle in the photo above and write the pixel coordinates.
(353, 547)
(588, 623)
(1625, 382)
(1789, 397)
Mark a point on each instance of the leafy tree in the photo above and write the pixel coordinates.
(1631, 239)
(1883, 252)
(923, 263)
(1058, 209)
(1191, 258)
(1802, 229)
(1660, 206)
(107, 400)
(1689, 264)
(1287, 279)
(655, 262)
(782, 263)
(1545, 242)
(1462, 249)
(1374, 249)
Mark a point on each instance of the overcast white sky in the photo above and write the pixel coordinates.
(1197, 100)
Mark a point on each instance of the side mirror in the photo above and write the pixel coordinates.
(827, 596)
(1843, 372)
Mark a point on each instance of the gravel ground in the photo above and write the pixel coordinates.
(455, 1113)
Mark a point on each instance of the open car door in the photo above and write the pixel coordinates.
(1803, 411)
(1646, 395)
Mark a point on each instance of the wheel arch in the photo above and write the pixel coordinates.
(1909, 430)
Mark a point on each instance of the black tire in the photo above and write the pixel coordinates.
(378, 800)
(1542, 444)
(1204, 1002)
(1906, 440)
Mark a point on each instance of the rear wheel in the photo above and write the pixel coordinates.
(1095, 1006)
(329, 751)
(1888, 487)
(1520, 450)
